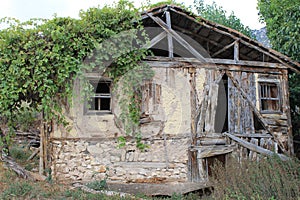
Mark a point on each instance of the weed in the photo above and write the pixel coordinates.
(270, 178)
(97, 185)
(18, 189)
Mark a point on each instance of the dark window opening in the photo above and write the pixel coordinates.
(221, 119)
(101, 99)
(269, 97)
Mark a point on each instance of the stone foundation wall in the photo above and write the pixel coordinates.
(86, 160)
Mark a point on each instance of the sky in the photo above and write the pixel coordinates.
(24, 10)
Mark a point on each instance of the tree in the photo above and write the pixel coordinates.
(283, 29)
(217, 14)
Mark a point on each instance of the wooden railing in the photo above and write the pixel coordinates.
(253, 145)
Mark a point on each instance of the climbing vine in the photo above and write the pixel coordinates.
(40, 59)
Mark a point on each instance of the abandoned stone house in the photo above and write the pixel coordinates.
(215, 93)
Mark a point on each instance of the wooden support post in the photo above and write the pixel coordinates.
(43, 146)
(170, 40)
(42, 139)
(288, 111)
(236, 51)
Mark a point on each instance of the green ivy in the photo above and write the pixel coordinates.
(40, 59)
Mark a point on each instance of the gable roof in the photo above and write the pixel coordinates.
(218, 39)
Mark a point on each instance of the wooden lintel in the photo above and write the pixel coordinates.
(255, 110)
(236, 52)
(223, 49)
(254, 147)
(170, 40)
(156, 39)
(177, 37)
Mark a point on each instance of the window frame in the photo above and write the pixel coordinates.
(278, 99)
(87, 110)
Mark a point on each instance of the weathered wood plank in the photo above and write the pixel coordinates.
(205, 152)
(260, 117)
(212, 141)
(254, 147)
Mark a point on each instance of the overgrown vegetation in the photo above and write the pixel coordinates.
(40, 59)
(270, 178)
(217, 14)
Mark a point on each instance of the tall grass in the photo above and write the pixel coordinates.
(270, 178)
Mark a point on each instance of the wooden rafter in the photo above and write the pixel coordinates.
(182, 30)
(156, 39)
(177, 37)
(223, 49)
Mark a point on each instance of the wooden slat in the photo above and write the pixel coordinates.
(255, 148)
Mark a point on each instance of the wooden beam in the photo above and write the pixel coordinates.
(256, 135)
(259, 116)
(223, 49)
(177, 37)
(156, 39)
(256, 148)
(205, 152)
(170, 40)
(222, 61)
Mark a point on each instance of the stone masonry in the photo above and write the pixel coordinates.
(86, 160)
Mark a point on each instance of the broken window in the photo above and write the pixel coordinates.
(101, 97)
(269, 97)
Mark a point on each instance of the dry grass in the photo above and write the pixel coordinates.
(270, 178)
